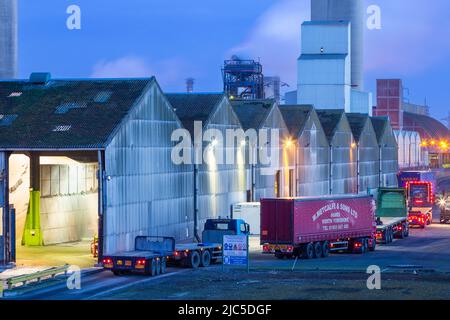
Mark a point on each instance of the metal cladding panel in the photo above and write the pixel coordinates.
(389, 159)
(344, 160)
(333, 218)
(313, 159)
(146, 193)
(220, 185)
(369, 157)
(264, 182)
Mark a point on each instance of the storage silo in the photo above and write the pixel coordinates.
(8, 39)
(349, 10)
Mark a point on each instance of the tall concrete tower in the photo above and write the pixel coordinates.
(8, 39)
(353, 11)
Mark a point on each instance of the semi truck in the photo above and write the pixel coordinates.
(312, 227)
(152, 254)
(391, 214)
(421, 199)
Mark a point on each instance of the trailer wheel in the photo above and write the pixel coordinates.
(194, 260)
(308, 251)
(317, 250)
(206, 258)
(374, 245)
(325, 249)
(163, 265)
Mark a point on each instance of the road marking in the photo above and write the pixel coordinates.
(135, 283)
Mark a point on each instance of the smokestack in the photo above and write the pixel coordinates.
(190, 85)
(8, 39)
(348, 10)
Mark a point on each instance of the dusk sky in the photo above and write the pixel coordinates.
(177, 39)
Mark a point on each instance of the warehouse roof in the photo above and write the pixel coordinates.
(42, 113)
(191, 107)
(330, 119)
(295, 117)
(357, 123)
(432, 127)
(379, 125)
(252, 113)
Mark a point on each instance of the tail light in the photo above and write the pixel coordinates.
(107, 261)
(140, 262)
(290, 249)
(265, 248)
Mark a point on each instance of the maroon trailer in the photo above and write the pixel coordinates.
(312, 227)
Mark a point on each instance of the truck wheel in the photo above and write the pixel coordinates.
(194, 260)
(325, 249)
(365, 245)
(308, 251)
(153, 268)
(206, 258)
(402, 234)
(163, 265)
(317, 250)
(373, 244)
(158, 266)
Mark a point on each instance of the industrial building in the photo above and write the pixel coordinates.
(422, 140)
(342, 154)
(8, 39)
(311, 146)
(367, 150)
(243, 79)
(276, 179)
(54, 134)
(218, 184)
(388, 152)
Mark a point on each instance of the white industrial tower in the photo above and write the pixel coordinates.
(8, 39)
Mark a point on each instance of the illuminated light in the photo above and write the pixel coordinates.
(243, 143)
(433, 143)
(231, 97)
(288, 143)
(353, 145)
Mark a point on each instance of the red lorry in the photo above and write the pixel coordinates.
(313, 227)
(420, 202)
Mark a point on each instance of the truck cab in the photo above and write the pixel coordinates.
(421, 198)
(215, 229)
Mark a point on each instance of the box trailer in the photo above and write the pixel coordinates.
(421, 199)
(314, 227)
(391, 214)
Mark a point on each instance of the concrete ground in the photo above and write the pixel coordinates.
(76, 253)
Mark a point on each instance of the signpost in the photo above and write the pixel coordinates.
(235, 251)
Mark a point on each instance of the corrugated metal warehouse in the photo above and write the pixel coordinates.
(343, 155)
(368, 156)
(267, 181)
(219, 184)
(312, 150)
(68, 128)
(388, 151)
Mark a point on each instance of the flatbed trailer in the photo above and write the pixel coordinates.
(149, 257)
(392, 228)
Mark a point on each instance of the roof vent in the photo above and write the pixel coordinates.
(7, 119)
(40, 78)
(62, 128)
